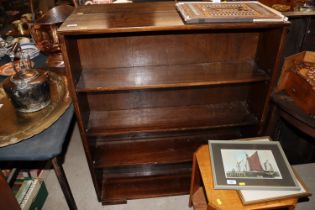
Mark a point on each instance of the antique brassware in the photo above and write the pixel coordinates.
(44, 33)
(22, 125)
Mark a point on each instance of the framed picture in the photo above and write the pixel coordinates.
(258, 196)
(259, 165)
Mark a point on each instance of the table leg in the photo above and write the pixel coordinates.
(64, 184)
(195, 180)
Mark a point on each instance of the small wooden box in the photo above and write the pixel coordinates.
(298, 80)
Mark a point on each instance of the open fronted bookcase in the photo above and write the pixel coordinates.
(148, 90)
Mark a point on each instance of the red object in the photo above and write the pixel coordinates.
(254, 162)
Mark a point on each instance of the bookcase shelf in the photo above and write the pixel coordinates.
(174, 148)
(167, 119)
(149, 91)
(144, 187)
(171, 76)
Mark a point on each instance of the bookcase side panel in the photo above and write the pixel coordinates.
(269, 57)
(82, 110)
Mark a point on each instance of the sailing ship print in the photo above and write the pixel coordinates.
(250, 164)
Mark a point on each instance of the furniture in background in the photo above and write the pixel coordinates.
(294, 101)
(204, 197)
(148, 90)
(45, 146)
(298, 146)
(301, 36)
(291, 113)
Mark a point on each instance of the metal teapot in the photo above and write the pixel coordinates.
(28, 88)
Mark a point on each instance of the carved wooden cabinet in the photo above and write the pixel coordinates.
(148, 90)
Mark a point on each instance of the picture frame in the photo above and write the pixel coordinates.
(257, 196)
(251, 165)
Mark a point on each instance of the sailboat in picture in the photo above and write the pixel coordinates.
(252, 167)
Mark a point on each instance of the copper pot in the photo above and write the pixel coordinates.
(44, 30)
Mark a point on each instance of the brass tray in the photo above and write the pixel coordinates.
(17, 126)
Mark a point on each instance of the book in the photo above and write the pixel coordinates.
(28, 187)
(40, 198)
(30, 194)
(23, 190)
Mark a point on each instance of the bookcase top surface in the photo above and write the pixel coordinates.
(139, 17)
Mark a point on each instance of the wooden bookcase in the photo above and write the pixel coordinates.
(148, 90)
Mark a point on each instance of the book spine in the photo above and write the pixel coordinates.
(23, 190)
(30, 195)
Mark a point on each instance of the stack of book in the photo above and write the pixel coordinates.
(29, 187)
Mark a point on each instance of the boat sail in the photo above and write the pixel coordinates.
(251, 167)
(254, 162)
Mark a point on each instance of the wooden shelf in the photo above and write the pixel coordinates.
(120, 184)
(170, 119)
(122, 154)
(146, 170)
(218, 133)
(133, 78)
(118, 190)
(167, 150)
(131, 154)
